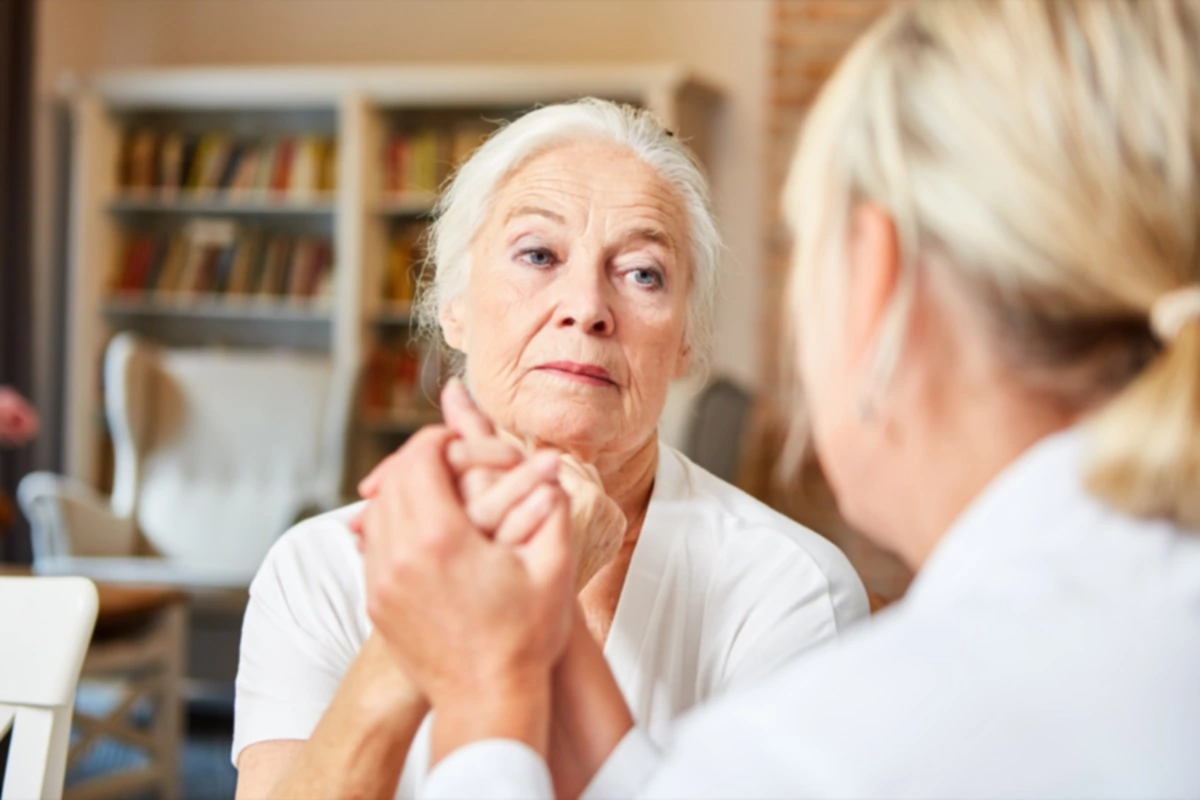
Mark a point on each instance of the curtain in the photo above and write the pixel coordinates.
(16, 277)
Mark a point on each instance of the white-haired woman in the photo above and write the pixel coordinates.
(997, 290)
(575, 259)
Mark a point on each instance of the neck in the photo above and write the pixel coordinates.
(998, 433)
(628, 479)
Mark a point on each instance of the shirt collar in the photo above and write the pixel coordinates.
(1019, 510)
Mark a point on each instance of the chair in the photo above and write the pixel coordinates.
(216, 454)
(45, 625)
(718, 423)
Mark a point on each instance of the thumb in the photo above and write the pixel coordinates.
(548, 552)
(461, 413)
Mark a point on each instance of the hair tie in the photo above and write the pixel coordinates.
(1175, 309)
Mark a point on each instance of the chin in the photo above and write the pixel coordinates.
(566, 426)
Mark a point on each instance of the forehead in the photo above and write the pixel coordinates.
(589, 177)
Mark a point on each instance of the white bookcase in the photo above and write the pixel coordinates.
(356, 107)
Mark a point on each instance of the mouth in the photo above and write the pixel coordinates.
(587, 374)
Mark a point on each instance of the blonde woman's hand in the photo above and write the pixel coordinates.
(484, 455)
(493, 478)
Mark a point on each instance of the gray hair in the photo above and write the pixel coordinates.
(464, 206)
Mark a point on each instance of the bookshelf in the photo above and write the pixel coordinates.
(285, 208)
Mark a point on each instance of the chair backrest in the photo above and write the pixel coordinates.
(45, 626)
(217, 451)
(718, 423)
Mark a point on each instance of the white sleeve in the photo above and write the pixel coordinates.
(494, 769)
(626, 770)
(500, 769)
(301, 632)
(771, 604)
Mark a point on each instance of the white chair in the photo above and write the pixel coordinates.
(216, 454)
(45, 626)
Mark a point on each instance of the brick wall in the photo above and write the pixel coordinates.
(808, 38)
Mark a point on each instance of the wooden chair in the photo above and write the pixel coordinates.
(45, 626)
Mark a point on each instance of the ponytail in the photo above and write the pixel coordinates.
(1145, 457)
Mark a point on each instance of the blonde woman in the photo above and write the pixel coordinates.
(997, 294)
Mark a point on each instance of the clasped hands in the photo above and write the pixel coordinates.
(474, 547)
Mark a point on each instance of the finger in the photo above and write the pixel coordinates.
(421, 489)
(461, 413)
(548, 551)
(488, 510)
(355, 524)
(369, 485)
(523, 521)
(477, 482)
(491, 452)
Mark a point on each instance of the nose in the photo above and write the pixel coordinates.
(584, 302)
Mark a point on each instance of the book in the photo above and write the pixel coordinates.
(306, 168)
(281, 170)
(247, 170)
(274, 265)
(229, 169)
(171, 163)
(328, 178)
(266, 168)
(141, 161)
(169, 275)
(245, 256)
(398, 277)
(221, 260)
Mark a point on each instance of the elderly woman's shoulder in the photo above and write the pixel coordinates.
(741, 524)
(322, 545)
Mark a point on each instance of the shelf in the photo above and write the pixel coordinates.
(409, 204)
(218, 310)
(396, 314)
(217, 203)
(401, 420)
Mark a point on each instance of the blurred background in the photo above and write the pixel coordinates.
(218, 206)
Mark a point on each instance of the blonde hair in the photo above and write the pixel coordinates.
(464, 206)
(1043, 155)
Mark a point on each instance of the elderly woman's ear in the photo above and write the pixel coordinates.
(454, 329)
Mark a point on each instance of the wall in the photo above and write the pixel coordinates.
(808, 38)
(724, 39)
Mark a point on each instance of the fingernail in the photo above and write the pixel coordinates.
(546, 464)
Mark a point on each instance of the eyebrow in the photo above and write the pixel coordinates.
(653, 235)
(536, 211)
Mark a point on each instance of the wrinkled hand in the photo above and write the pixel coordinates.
(18, 420)
(597, 522)
(459, 610)
(483, 461)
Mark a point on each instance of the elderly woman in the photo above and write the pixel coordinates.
(575, 258)
(997, 289)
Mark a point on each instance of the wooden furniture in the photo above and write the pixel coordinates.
(137, 651)
(44, 627)
(365, 216)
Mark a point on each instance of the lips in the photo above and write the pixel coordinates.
(583, 373)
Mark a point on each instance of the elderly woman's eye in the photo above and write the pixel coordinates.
(537, 256)
(649, 278)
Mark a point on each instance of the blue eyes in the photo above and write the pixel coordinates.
(643, 277)
(538, 257)
(651, 279)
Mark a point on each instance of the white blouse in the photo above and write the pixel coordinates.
(721, 591)
(1049, 648)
